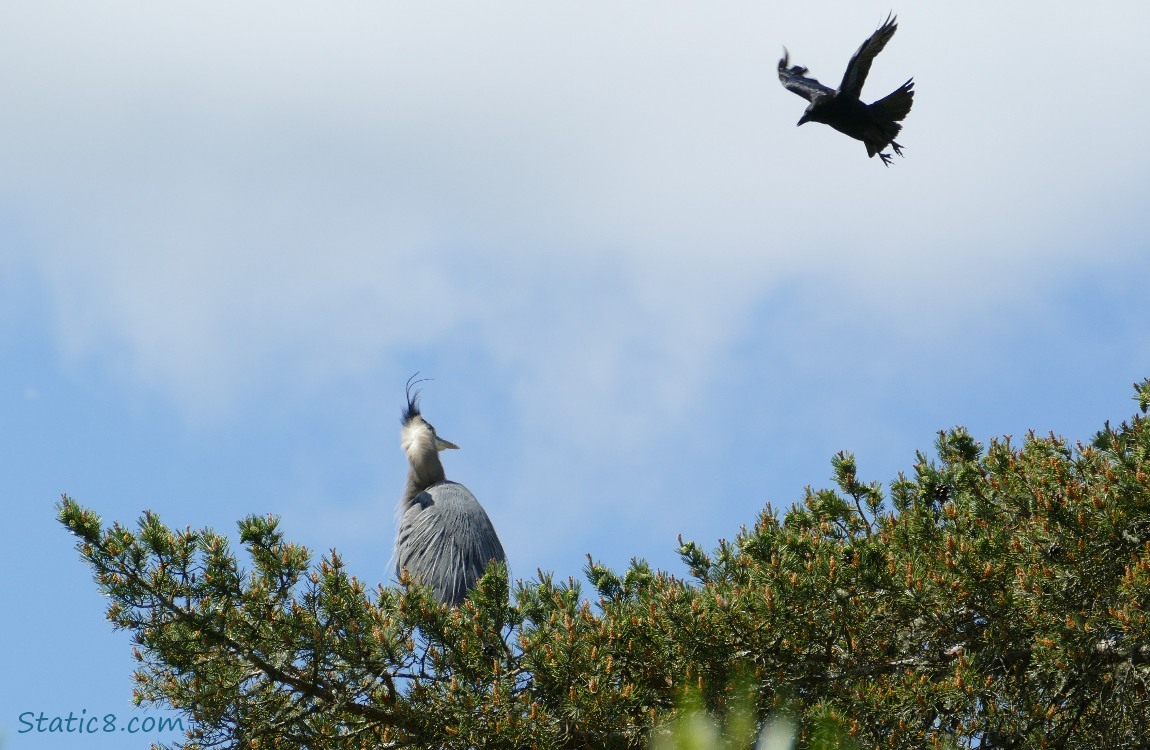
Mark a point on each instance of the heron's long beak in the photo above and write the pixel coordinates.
(442, 445)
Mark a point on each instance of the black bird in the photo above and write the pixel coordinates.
(875, 124)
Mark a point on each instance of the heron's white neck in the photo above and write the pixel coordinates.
(418, 443)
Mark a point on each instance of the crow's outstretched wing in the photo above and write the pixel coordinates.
(859, 66)
(793, 80)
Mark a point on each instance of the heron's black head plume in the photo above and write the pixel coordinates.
(412, 409)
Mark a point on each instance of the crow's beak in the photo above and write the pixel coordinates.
(802, 121)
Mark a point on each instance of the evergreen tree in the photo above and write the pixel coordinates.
(999, 598)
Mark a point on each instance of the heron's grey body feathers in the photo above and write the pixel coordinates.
(445, 538)
(876, 124)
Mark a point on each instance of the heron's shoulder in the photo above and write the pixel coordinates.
(447, 494)
(448, 487)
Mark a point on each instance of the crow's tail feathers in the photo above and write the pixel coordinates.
(896, 104)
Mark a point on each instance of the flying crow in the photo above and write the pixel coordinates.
(876, 124)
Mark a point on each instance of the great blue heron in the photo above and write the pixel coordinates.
(445, 538)
(875, 124)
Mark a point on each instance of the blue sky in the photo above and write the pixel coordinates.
(650, 304)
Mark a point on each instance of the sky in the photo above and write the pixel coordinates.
(648, 302)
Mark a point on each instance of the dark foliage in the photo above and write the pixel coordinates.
(998, 599)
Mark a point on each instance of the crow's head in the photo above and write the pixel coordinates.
(810, 115)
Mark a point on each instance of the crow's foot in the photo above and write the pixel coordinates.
(897, 148)
(885, 158)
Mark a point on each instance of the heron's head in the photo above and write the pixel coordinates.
(418, 437)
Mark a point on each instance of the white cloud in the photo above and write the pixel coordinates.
(597, 195)
(650, 303)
